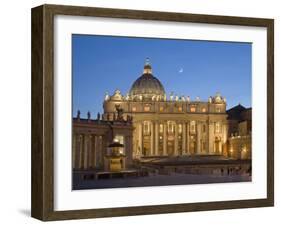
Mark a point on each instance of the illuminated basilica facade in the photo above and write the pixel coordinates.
(147, 123)
(170, 125)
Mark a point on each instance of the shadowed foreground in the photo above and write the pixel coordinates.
(156, 180)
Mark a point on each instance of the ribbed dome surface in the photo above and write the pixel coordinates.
(147, 84)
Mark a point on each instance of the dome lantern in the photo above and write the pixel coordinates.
(147, 67)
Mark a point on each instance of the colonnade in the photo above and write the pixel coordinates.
(204, 140)
(88, 151)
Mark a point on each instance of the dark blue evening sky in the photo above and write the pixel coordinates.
(186, 67)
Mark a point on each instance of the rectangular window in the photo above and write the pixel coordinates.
(146, 127)
(192, 109)
(161, 128)
(180, 128)
(203, 109)
(204, 128)
(146, 108)
(170, 127)
(217, 127)
(134, 108)
(218, 110)
(192, 126)
(161, 108)
(180, 109)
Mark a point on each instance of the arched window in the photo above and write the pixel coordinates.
(192, 109)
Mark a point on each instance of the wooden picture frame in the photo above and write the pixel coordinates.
(43, 112)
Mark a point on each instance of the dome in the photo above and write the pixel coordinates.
(117, 95)
(218, 99)
(147, 85)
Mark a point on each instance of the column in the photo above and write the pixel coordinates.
(183, 138)
(81, 151)
(151, 139)
(207, 139)
(93, 150)
(77, 151)
(102, 149)
(225, 132)
(224, 135)
(198, 136)
(165, 139)
(90, 149)
(129, 151)
(187, 138)
(97, 154)
(176, 150)
(85, 165)
(156, 138)
(73, 150)
(140, 139)
(211, 137)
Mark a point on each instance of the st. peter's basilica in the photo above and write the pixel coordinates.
(148, 122)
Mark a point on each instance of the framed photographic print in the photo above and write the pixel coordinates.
(141, 112)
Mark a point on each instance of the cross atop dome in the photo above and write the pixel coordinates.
(147, 67)
(147, 62)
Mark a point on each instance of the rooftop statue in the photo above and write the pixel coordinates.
(120, 112)
(78, 114)
(106, 96)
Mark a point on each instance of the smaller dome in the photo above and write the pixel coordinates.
(218, 99)
(117, 95)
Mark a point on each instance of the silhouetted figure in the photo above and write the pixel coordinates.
(78, 114)
(89, 115)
